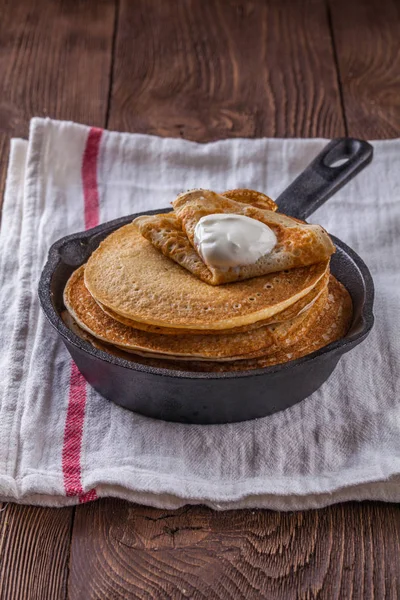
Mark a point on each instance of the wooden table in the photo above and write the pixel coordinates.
(201, 69)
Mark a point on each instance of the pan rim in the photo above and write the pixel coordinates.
(45, 296)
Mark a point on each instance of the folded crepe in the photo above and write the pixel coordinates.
(298, 244)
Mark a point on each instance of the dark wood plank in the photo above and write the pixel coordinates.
(121, 550)
(55, 60)
(34, 551)
(223, 68)
(366, 37)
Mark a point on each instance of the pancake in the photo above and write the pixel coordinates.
(252, 197)
(298, 244)
(129, 276)
(262, 341)
(166, 234)
(289, 313)
(331, 324)
(279, 337)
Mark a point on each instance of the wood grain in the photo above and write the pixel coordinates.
(34, 552)
(128, 551)
(223, 68)
(55, 60)
(200, 70)
(366, 36)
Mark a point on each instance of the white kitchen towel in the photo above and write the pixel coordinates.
(61, 443)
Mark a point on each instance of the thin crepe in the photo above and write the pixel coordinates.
(298, 244)
(262, 341)
(130, 277)
(331, 324)
(289, 313)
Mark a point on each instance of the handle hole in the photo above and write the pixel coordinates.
(342, 152)
(338, 163)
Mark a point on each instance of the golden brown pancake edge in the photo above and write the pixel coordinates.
(262, 341)
(128, 276)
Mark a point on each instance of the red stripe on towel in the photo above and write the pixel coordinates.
(89, 177)
(71, 454)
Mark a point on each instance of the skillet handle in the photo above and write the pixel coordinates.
(321, 179)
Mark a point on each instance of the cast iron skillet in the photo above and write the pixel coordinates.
(189, 397)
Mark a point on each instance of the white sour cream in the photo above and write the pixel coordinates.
(230, 240)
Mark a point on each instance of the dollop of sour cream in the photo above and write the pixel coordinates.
(230, 240)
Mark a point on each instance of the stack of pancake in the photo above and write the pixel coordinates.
(146, 294)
